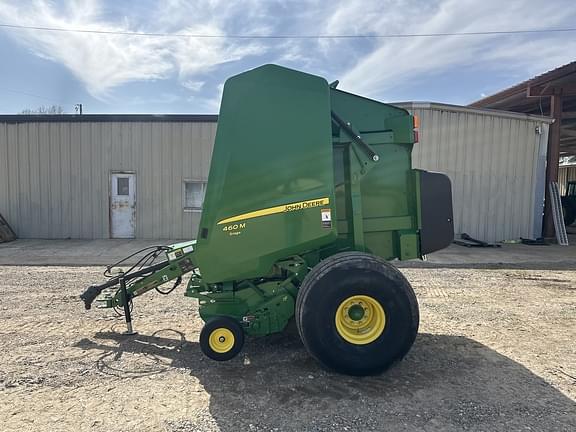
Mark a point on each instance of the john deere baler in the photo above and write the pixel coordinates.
(311, 191)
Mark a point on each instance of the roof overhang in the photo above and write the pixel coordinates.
(533, 97)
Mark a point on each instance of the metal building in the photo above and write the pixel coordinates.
(496, 161)
(104, 176)
(143, 176)
(552, 93)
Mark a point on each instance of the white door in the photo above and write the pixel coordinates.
(122, 205)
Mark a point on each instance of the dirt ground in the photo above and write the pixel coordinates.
(496, 352)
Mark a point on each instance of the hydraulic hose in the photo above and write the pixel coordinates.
(94, 291)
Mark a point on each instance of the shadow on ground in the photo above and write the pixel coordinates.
(556, 265)
(445, 383)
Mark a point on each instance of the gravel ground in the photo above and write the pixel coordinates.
(495, 352)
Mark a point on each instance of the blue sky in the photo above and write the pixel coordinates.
(135, 74)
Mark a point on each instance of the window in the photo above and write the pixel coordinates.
(194, 194)
(123, 186)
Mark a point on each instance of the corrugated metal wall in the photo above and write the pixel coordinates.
(54, 176)
(496, 162)
(566, 174)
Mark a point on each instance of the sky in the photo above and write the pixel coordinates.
(139, 74)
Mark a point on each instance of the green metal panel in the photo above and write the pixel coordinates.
(388, 192)
(408, 243)
(273, 148)
(279, 162)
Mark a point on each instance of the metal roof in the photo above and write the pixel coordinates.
(534, 96)
(558, 74)
(66, 118)
(468, 109)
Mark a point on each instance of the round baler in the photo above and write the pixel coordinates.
(310, 193)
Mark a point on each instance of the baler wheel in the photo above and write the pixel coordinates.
(221, 338)
(356, 313)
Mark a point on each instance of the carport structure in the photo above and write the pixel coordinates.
(553, 93)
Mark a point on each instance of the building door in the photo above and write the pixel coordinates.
(122, 205)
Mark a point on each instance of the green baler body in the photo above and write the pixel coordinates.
(281, 165)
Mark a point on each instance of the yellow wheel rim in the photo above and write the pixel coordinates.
(221, 340)
(360, 319)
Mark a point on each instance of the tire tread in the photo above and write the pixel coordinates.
(356, 260)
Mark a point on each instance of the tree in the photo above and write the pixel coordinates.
(44, 109)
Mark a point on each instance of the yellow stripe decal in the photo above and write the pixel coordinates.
(285, 208)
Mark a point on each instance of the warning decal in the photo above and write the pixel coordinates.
(326, 218)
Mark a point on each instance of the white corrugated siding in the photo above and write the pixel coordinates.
(496, 162)
(566, 174)
(54, 176)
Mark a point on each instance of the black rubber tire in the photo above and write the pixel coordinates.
(569, 212)
(339, 277)
(222, 322)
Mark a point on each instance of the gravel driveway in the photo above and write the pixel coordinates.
(496, 352)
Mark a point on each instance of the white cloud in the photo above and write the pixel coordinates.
(373, 67)
(103, 62)
(398, 62)
(192, 85)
